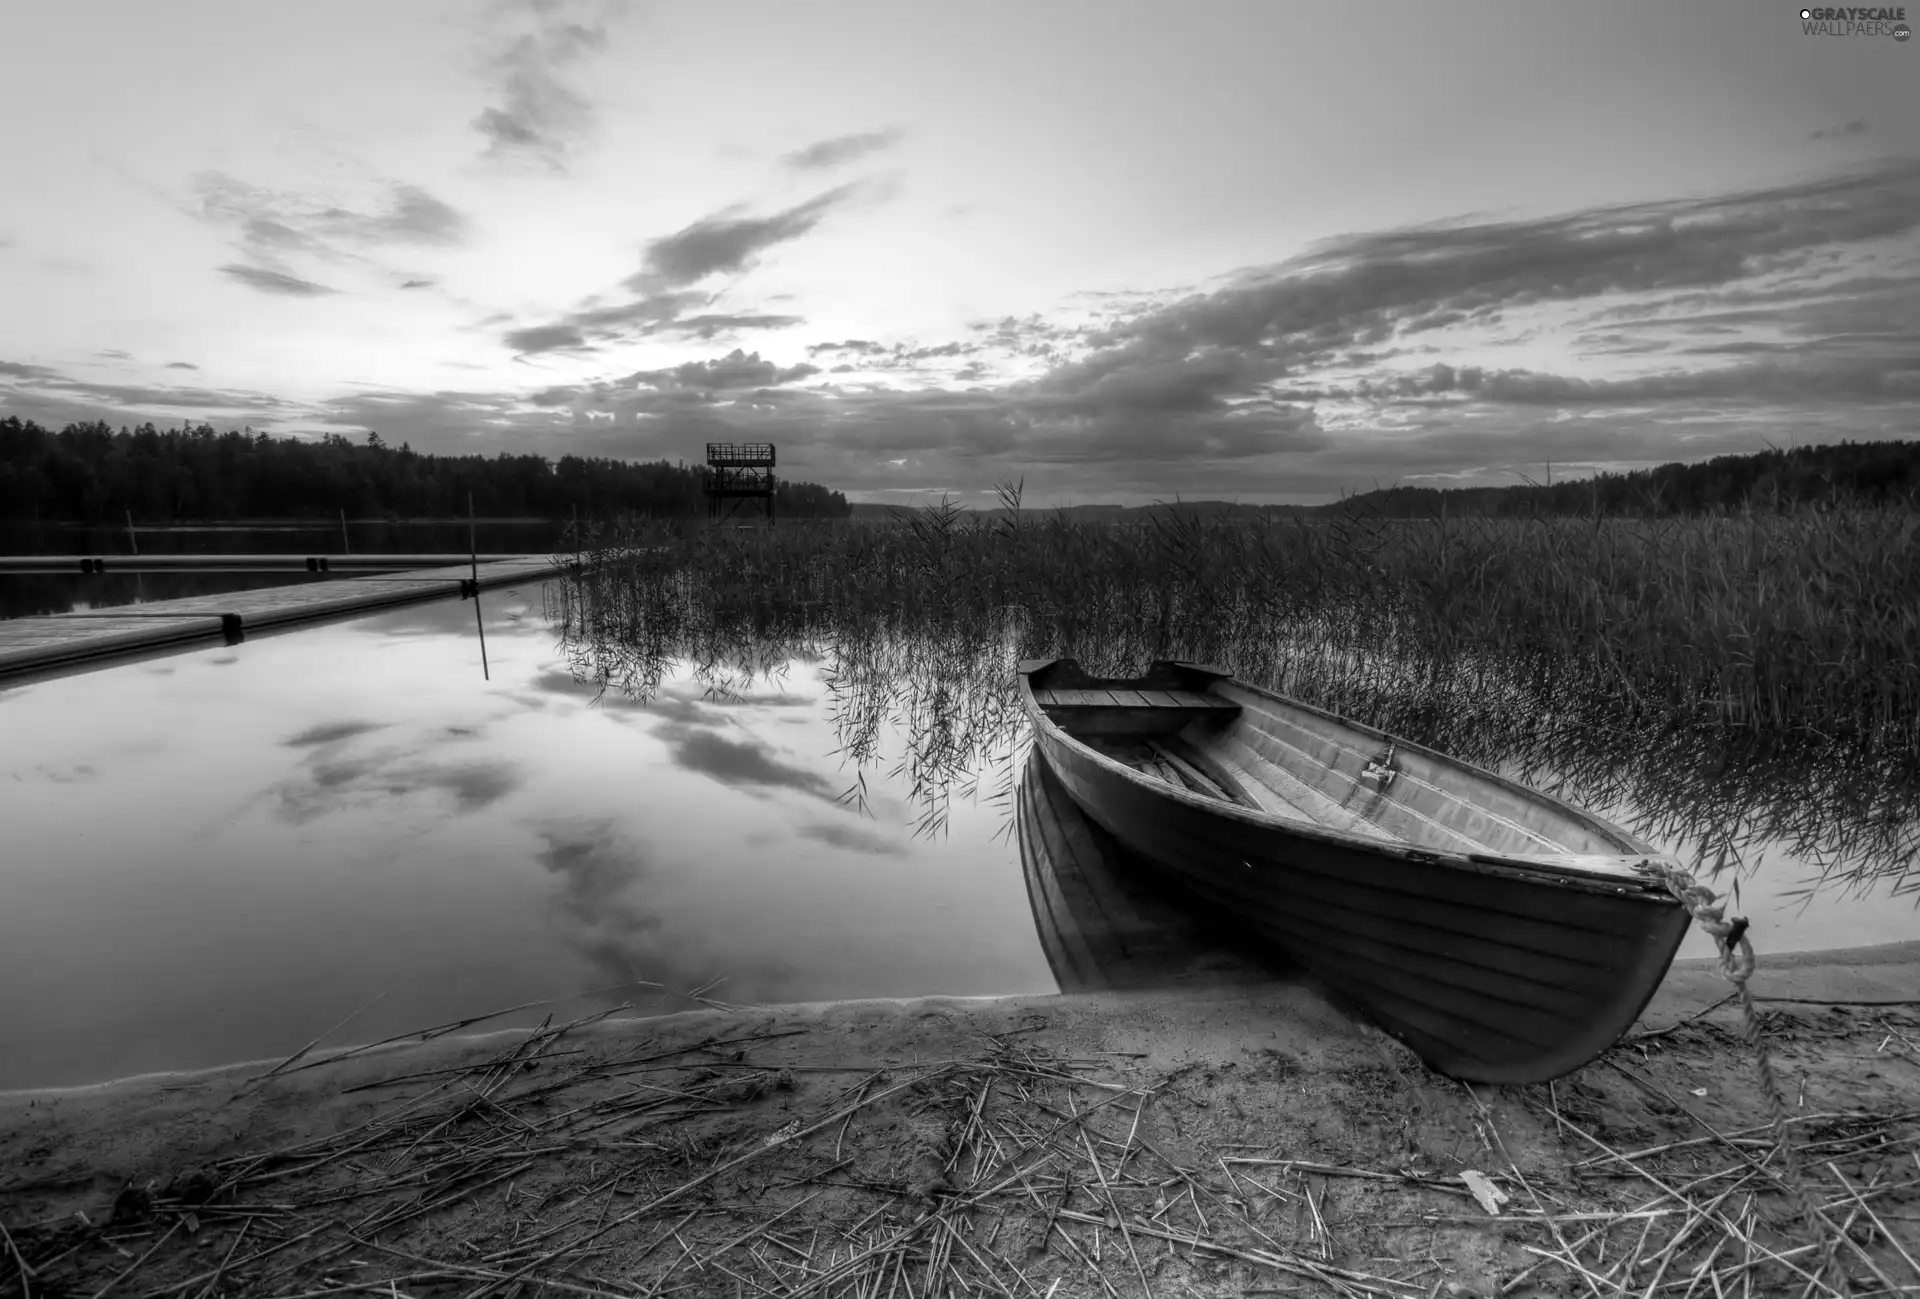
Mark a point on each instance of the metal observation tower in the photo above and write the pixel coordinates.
(739, 473)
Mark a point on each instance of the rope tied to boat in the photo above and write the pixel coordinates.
(1736, 966)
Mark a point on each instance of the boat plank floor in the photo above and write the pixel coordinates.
(1307, 802)
(1269, 801)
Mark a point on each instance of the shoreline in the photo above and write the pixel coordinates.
(1252, 1136)
(1880, 974)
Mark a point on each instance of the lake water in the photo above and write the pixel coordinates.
(219, 854)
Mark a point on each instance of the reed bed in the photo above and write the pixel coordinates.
(1757, 676)
(1784, 624)
(742, 1162)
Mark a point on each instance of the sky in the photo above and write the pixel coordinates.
(1118, 251)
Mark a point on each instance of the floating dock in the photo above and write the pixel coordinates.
(33, 646)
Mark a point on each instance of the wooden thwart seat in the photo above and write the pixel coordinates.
(1190, 700)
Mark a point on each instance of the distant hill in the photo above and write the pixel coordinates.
(1885, 473)
(1112, 513)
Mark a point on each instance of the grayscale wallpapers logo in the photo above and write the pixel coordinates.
(1870, 21)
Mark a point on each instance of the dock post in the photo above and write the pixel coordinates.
(345, 549)
(131, 543)
(473, 552)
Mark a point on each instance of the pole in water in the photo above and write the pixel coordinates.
(473, 550)
(345, 549)
(131, 543)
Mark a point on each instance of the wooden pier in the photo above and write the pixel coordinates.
(35, 646)
(288, 563)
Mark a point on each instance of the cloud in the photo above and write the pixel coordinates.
(276, 230)
(276, 223)
(275, 282)
(545, 338)
(181, 365)
(536, 116)
(1447, 353)
(1029, 336)
(1797, 380)
(415, 217)
(1148, 383)
(840, 150)
(1290, 381)
(115, 354)
(20, 370)
(188, 399)
(597, 900)
(723, 243)
(333, 780)
(737, 369)
(901, 357)
(1855, 127)
(1226, 362)
(417, 284)
(447, 421)
(610, 906)
(663, 298)
(53, 398)
(706, 327)
(741, 764)
(850, 838)
(330, 733)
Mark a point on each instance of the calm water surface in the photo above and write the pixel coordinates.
(219, 854)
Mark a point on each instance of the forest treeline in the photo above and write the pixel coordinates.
(1876, 473)
(90, 473)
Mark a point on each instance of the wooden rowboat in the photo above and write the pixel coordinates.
(1106, 923)
(1504, 935)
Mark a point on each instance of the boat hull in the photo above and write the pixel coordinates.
(1104, 920)
(1490, 972)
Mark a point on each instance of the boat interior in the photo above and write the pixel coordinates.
(1201, 732)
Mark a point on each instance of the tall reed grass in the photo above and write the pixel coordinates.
(1745, 642)
(1779, 624)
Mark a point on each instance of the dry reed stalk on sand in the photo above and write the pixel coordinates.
(1007, 1173)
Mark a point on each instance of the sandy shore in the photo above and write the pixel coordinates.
(995, 1146)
